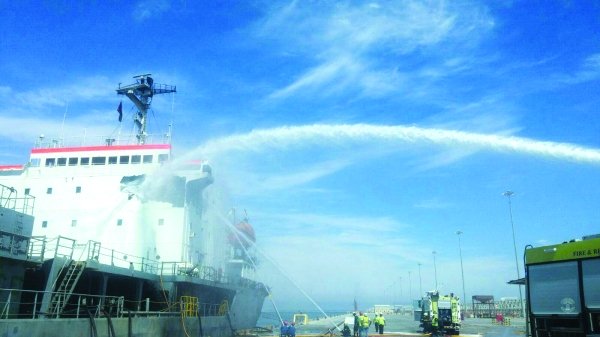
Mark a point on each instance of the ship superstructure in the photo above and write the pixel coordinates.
(127, 223)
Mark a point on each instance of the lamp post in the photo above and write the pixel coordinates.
(409, 288)
(509, 194)
(435, 270)
(420, 282)
(462, 271)
(400, 283)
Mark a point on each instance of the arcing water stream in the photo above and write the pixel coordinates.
(318, 134)
(284, 138)
(243, 241)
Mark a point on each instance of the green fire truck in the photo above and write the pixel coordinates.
(563, 288)
(440, 313)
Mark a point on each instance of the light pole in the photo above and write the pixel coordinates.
(409, 288)
(400, 285)
(509, 194)
(435, 270)
(420, 282)
(462, 271)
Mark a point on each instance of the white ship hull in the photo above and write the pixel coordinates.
(120, 224)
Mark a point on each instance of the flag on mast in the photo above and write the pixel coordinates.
(120, 110)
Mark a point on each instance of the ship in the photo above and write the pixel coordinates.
(107, 236)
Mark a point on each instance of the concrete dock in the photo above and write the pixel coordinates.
(403, 325)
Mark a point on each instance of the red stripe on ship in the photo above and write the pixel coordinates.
(10, 167)
(103, 148)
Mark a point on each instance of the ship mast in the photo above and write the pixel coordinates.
(141, 93)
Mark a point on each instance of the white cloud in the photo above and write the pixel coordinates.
(589, 70)
(147, 9)
(83, 90)
(352, 253)
(304, 176)
(324, 73)
(73, 131)
(335, 224)
(5, 91)
(346, 42)
(87, 105)
(432, 204)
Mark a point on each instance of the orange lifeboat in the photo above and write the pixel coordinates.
(245, 233)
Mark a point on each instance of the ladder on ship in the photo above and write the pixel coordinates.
(19, 223)
(61, 296)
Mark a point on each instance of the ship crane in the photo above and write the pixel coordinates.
(141, 93)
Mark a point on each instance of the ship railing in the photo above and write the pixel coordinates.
(120, 259)
(248, 283)
(9, 199)
(203, 309)
(19, 303)
(209, 309)
(170, 309)
(37, 248)
(64, 247)
(206, 273)
(60, 246)
(99, 140)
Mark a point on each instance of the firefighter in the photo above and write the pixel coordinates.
(284, 329)
(364, 325)
(381, 323)
(346, 330)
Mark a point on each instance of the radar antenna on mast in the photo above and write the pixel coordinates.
(141, 93)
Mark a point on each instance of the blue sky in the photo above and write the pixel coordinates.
(359, 136)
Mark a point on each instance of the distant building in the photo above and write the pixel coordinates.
(383, 309)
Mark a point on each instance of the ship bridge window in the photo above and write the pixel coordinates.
(27, 190)
(136, 159)
(49, 190)
(35, 162)
(124, 160)
(73, 161)
(119, 222)
(78, 189)
(112, 160)
(163, 158)
(44, 224)
(50, 162)
(161, 222)
(73, 223)
(98, 160)
(61, 162)
(148, 159)
(85, 161)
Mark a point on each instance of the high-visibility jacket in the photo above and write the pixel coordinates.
(364, 321)
(381, 320)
